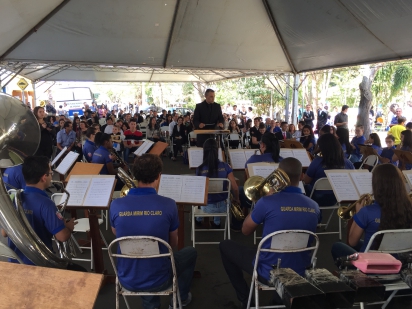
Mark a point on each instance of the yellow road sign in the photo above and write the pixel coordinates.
(22, 83)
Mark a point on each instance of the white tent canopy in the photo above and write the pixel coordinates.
(197, 40)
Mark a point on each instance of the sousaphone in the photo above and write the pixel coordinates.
(20, 137)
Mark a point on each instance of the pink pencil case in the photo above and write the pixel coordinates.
(377, 263)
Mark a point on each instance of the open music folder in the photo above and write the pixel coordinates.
(239, 157)
(144, 147)
(67, 163)
(90, 190)
(184, 189)
(349, 185)
(299, 154)
(195, 155)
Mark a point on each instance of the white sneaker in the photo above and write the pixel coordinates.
(185, 302)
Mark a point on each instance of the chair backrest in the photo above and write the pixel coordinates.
(290, 241)
(393, 241)
(234, 137)
(164, 129)
(192, 134)
(56, 198)
(8, 253)
(219, 186)
(140, 247)
(371, 160)
(321, 184)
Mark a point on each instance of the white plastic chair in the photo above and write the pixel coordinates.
(8, 253)
(323, 184)
(286, 241)
(371, 160)
(393, 241)
(192, 135)
(82, 226)
(216, 186)
(143, 247)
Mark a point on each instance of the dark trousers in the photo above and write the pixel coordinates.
(237, 258)
(177, 146)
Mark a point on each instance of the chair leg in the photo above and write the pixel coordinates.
(330, 217)
(256, 294)
(76, 243)
(91, 255)
(117, 294)
(107, 220)
(193, 227)
(104, 240)
(228, 225)
(340, 228)
(127, 302)
(251, 292)
(389, 299)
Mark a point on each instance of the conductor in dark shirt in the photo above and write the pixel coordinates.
(207, 116)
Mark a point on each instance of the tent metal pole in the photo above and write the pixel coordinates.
(17, 73)
(295, 99)
(33, 83)
(34, 29)
(279, 36)
(287, 97)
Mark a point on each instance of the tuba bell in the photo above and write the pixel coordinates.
(127, 180)
(256, 186)
(20, 137)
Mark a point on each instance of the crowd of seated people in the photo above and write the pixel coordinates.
(332, 148)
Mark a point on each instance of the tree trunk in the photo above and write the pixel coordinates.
(366, 98)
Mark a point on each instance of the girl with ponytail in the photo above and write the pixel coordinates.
(212, 167)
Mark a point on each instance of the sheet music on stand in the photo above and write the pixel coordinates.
(144, 147)
(299, 154)
(184, 189)
(239, 157)
(59, 156)
(408, 176)
(67, 163)
(195, 155)
(263, 169)
(90, 190)
(349, 185)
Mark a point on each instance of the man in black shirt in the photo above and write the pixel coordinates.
(207, 116)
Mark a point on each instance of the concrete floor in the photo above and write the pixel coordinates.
(213, 289)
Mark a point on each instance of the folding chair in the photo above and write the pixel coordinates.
(216, 186)
(143, 247)
(8, 253)
(192, 135)
(371, 161)
(393, 241)
(82, 226)
(286, 241)
(323, 184)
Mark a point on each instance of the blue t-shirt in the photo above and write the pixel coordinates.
(394, 120)
(223, 170)
(266, 157)
(388, 153)
(316, 169)
(41, 212)
(312, 141)
(344, 150)
(88, 150)
(368, 219)
(356, 141)
(378, 149)
(64, 139)
(286, 210)
(14, 177)
(144, 212)
(102, 156)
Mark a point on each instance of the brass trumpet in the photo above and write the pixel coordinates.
(347, 212)
(114, 154)
(256, 186)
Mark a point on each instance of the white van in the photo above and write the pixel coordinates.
(74, 97)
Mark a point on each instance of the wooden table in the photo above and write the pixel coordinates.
(25, 286)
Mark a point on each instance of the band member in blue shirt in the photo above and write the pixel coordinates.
(387, 152)
(286, 210)
(212, 167)
(406, 145)
(89, 146)
(40, 210)
(144, 212)
(332, 158)
(103, 156)
(66, 137)
(13, 177)
(391, 210)
(356, 140)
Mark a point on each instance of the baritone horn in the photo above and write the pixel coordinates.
(236, 209)
(347, 212)
(127, 180)
(256, 186)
